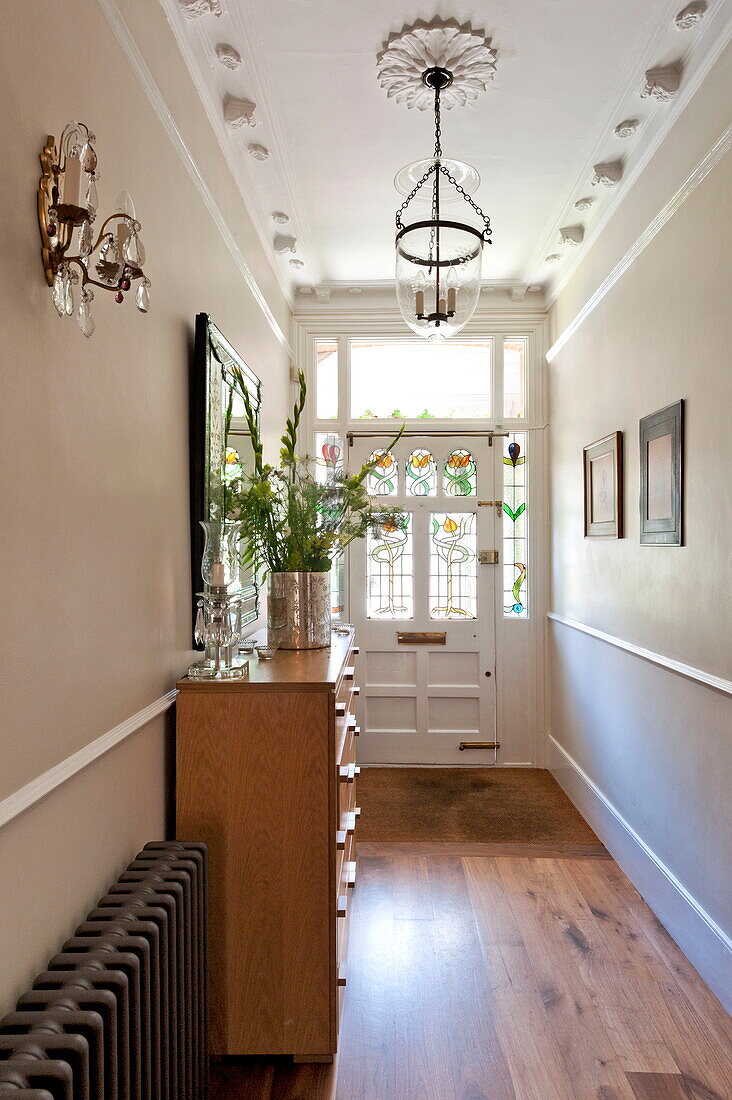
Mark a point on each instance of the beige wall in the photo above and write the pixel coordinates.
(656, 744)
(94, 458)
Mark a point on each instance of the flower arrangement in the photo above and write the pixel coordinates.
(291, 521)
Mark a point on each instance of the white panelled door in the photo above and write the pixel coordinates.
(424, 605)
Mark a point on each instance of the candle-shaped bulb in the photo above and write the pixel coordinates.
(451, 296)
(419, 303)
(218, 576)
(441, 309)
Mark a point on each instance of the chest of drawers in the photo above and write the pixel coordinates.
(266, 775)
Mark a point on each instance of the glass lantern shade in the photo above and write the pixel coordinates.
(438, 276)
(220, 560)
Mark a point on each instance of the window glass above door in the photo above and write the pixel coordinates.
(415, 380)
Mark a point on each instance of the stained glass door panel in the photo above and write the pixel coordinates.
(424, 609)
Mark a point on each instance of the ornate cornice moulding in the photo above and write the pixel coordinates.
(258, 152)
(572, 235)
(228, 56)
(608, 174)
(626, 128)
(239, 112)
(284, 245)
(692, 14)
(467, 53)
(194, 9)
(662, 83)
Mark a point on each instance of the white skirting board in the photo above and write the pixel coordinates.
(705, 944)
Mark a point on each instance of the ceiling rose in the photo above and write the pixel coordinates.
(445, 44)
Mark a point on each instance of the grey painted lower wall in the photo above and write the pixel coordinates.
(646, 755)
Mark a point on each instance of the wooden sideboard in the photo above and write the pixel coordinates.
(266, 771)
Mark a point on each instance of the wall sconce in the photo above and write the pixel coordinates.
(67, 209)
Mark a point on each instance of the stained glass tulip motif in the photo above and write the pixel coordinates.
(421, 474)
(385, 557)
(382, 481)
(460, 474)
(452, 583)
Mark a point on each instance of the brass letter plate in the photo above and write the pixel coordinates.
(421, 637)
(487, 557)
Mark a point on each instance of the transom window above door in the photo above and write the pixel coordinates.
(418, 381)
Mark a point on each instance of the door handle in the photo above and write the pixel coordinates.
(487, 557)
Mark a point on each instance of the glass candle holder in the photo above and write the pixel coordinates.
(220, 559)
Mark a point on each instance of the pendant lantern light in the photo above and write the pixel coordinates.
(439, 261)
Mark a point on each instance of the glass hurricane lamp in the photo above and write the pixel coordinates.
(439, 259)
(72, 253)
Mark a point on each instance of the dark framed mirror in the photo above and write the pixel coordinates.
(219, 445)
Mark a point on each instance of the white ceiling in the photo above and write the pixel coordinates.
(567, 72)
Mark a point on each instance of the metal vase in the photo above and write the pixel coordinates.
(298, 610)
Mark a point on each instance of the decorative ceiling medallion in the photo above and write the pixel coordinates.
(626, 128)
(445, 44)
(283, 245)
(692, 14)
(194, 9)
(584, 204)
(228, 56)
(239, 112)
(572, 235)
(554, 258)
(279, 217)
(297, 263)
(259, 152)
(662, 83)
(607, 175)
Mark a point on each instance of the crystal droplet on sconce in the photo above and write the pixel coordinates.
(134, 250)
(59, 294)
(142, 298)
(68, 295)
(85, 239)
(84, 315)
(88, 158)
(92, 196)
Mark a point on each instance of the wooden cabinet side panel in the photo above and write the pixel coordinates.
(253, 781)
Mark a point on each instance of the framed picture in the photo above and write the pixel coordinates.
(661, 470)
(219, 444)
(604, 488)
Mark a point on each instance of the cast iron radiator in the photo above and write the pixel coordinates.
(120, 1012)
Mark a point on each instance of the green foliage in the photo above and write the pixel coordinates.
(291, 522)
(426, 415)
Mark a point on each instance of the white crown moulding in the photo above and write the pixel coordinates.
(584, 204)
(284, 245)
(518, 293)
(279, 217)
(194, 9)
(554, 258)
(228, 56)
(608, 174)
(355, 290)
(305, 290)
(467, 53)
(239, 112)
(259, 152)
(297, 263)
(689, 16)
(322, 293)
(572, 235)
(626, 128)
(662, 83)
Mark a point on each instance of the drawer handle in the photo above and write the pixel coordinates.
(357, 691)
(351, 873)
(341, 840)
(342, 903)
(356, 650)
(351, 722)
(347, 773)
(349, 672)
(340, 709)
(341, 979)
(351, 817)
(357, 733)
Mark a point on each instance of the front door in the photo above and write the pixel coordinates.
(424, 604)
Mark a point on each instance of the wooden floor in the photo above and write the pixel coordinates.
(493, 974)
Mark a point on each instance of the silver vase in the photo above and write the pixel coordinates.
(298, 610)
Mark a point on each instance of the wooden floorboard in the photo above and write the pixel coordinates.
(475, 974)
(497, 851)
